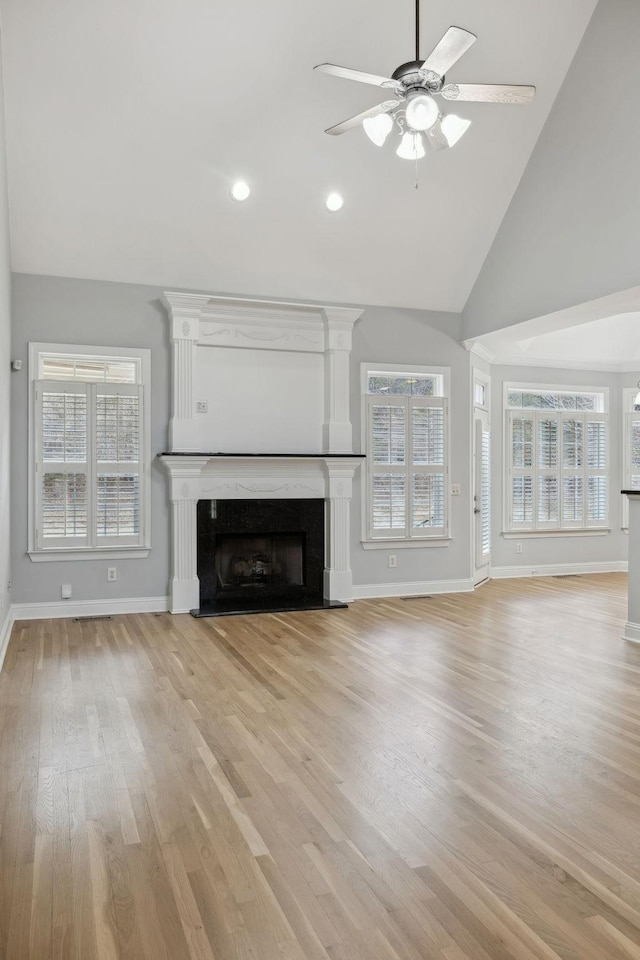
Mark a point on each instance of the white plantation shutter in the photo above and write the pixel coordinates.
(62, 464)
(597, 463)
(558, 470)
(118, 432)
(632, 466)
(521, 445)
(631, 480)
(407, 453)
(428, 456)
(485, 493)
(88, 461)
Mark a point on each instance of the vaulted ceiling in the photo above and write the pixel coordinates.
(127, 121)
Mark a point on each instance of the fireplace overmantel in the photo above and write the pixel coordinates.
(287, 336)
(200, 321)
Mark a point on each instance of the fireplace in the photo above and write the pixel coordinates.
(285, 435)
(257, 555)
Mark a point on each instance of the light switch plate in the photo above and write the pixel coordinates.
(456, 489)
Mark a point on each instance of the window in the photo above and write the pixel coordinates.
(406, 440)
(631, 449)
(89, 451)
(557, 470)
(479, 394)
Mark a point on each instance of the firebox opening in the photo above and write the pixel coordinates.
(259, 563)
(260, 555)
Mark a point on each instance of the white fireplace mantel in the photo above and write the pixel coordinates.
(200, 323)
(229, 477)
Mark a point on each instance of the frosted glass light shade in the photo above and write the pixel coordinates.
(240, 190)
(411, 147)
(422, 112)
(378, 128)
(454, 127)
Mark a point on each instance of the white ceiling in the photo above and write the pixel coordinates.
(608, 343)
(128, 120)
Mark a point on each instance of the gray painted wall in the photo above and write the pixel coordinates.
(111, 314)
(5, 373)
(398, 336)
(572, 231)
(558, 549)
(58, 310)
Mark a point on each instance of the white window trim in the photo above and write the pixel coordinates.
(111, 552)
(402, 543)
(509, 533)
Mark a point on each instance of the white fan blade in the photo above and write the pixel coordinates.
(446, 132)
(455, 42)
(352, 122)
(489, 92)
(348, 74)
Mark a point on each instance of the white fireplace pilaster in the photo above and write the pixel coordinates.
(338, 578)
(184, 474)
(186, 310)
(337, 434)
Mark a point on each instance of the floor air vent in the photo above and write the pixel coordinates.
(423, 596)
(89, 619)
(564, 576)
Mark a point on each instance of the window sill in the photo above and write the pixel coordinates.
(541, 534)
(403, 544)
(90, 553)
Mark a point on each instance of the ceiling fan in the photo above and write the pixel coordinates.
(415, 85)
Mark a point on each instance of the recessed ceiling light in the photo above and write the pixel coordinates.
(334, 202)
(240, 190)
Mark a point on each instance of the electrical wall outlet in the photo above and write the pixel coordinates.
(65, 591)
(112, 574)
(393, 560)
(202, 406)
(518, 547)
(456, 489)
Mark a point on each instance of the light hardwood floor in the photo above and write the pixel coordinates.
(455, 778)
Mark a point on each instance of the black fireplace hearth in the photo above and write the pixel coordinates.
(260, 555)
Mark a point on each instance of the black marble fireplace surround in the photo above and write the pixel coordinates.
(260, 556)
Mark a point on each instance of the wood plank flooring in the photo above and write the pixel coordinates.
(454, 778)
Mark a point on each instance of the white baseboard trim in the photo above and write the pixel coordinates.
(5, 634)
(369, 591)
(631, 632)
(559, 569)
(88, 608)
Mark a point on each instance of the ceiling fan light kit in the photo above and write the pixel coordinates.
(411, 146)
(378, 128)
(415, 84)
(421, 112)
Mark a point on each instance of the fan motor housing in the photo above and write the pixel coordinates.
(413, 77)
